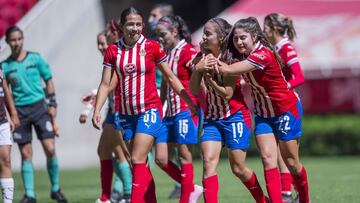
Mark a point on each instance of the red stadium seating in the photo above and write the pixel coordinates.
(12, 11)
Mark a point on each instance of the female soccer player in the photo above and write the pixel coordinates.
(6, 126)
(134, 59)
(278, 111)
(227, 118)
(178, 126)
(280, 31)
(109, 141)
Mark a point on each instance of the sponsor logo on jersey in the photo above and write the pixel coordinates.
(260, 56)
(130, 68)
(291, 53)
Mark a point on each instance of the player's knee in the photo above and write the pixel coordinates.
(26, 154)
(50, 151)
(161, 161)
(5, 162)
(238, 170)
(136, 159)
(185, 158)
(269, 159)
(291, 164)
(209, 164)
(104, 154)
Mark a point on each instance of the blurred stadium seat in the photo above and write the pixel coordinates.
(12, 11)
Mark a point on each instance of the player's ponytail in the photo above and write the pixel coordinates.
(183, 29)
(290, 30)
(281, 23)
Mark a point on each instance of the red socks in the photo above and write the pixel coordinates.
(106, 174)
(255, 189)
(187, 182)
(143, 186)
(286, 181)
(172, 170)
(301, 184)
(211, 189)
(273, 185)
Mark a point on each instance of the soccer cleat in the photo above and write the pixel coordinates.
(115, 196)
(58, 196)
(99, 201)
(125, 199)
(194, 195)
(27, 199)
(287, 198)
(176, 193)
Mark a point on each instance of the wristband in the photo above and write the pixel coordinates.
(51, 100)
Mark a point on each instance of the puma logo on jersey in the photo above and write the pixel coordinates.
(182, 135)
(136, 185)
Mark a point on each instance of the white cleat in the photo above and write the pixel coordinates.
(196, 194)
(99, 201)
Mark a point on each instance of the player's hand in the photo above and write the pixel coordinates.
(193, 109)
(15, 121)
(96, 120)
(12, 126)
(55, 128)
(52, 112)
(87, 97)
(210, 60)
(221, 67)
(200, 66)
(82, 118)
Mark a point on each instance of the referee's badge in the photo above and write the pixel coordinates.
(48, 126)
(142, 52)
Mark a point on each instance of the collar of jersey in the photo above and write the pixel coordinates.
(281, 43)
(179, 45)
(258, 45)
(140, 40)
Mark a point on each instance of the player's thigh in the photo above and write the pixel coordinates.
(141, 146)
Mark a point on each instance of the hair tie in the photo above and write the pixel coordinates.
(167, 23)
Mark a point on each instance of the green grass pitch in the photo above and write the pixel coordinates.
(335, 179)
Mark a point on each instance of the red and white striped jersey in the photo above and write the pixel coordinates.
(288, 54)
(178, 59)
(269, 88)
(135, 67)
(219, 108)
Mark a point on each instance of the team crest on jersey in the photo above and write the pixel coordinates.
(176, 58)
(142, 52)
(130, 68)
